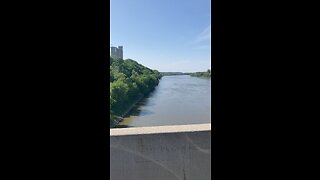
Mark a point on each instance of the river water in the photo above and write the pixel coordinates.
(177, 100)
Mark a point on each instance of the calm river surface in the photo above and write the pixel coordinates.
(176, 100)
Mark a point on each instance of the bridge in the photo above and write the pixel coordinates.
(179, 152)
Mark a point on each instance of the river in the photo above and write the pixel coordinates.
(177, 100)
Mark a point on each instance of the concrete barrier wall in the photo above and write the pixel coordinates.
(161, 153)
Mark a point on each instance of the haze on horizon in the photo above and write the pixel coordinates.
(166, 35)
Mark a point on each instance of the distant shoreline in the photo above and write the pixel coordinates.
(206, 74)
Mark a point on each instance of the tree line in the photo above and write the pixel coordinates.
(129, 81)
(173, 73)
(195, 74)
(202, 74)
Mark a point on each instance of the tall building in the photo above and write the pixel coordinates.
(116, 52)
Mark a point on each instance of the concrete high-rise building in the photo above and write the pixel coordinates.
(116, 52)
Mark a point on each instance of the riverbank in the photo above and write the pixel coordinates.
(128, 81)
(206, 74)
(117, 120)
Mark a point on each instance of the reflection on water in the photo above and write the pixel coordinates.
(176, 100)
(123, 126)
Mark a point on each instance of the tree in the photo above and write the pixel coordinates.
(128, 81)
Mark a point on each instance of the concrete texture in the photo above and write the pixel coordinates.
(180, 152)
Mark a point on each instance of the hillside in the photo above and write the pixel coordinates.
(129, 81)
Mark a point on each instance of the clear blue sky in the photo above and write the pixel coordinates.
(166, 35)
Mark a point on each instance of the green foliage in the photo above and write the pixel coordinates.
(206, 74)
(173, 73)
(129, 80)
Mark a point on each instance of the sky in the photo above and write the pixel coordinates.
(165, 35)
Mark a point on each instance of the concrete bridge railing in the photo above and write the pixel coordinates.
(180, 152)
